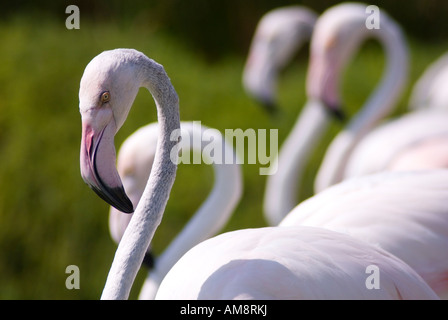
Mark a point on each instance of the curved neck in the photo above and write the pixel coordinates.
(149, 212)
(282, 186)
(379, 104)
(213, 213)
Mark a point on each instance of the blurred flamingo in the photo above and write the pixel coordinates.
(337, 34)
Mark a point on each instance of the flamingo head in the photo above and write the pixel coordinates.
(338, 33)
(278, 37)
(108, 88)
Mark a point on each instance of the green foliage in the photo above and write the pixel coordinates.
(49, 218)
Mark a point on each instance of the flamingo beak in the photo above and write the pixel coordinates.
(337, 113)
(323, 85)
(98, 169)
(259, 79)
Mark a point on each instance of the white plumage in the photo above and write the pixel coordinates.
(404, 213)
(430, 89)
(289, 263)
(415, 141)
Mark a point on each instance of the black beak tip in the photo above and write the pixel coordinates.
(116, 197)
(339, 115)
(336, 112)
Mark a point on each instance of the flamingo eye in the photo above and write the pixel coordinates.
(105, 96)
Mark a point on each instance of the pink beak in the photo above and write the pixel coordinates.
(97, 160)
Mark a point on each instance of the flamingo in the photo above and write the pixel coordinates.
(337, 33)
(404, 213)
(272, 262)
(107, 90)
(134, 165)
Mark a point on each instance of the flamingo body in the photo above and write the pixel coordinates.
(404, 213)
(418, 140)
(288, 263)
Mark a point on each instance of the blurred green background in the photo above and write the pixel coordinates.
(49, 218)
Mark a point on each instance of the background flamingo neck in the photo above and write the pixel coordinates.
(282, 187)
(382, 101)
(212, 215)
